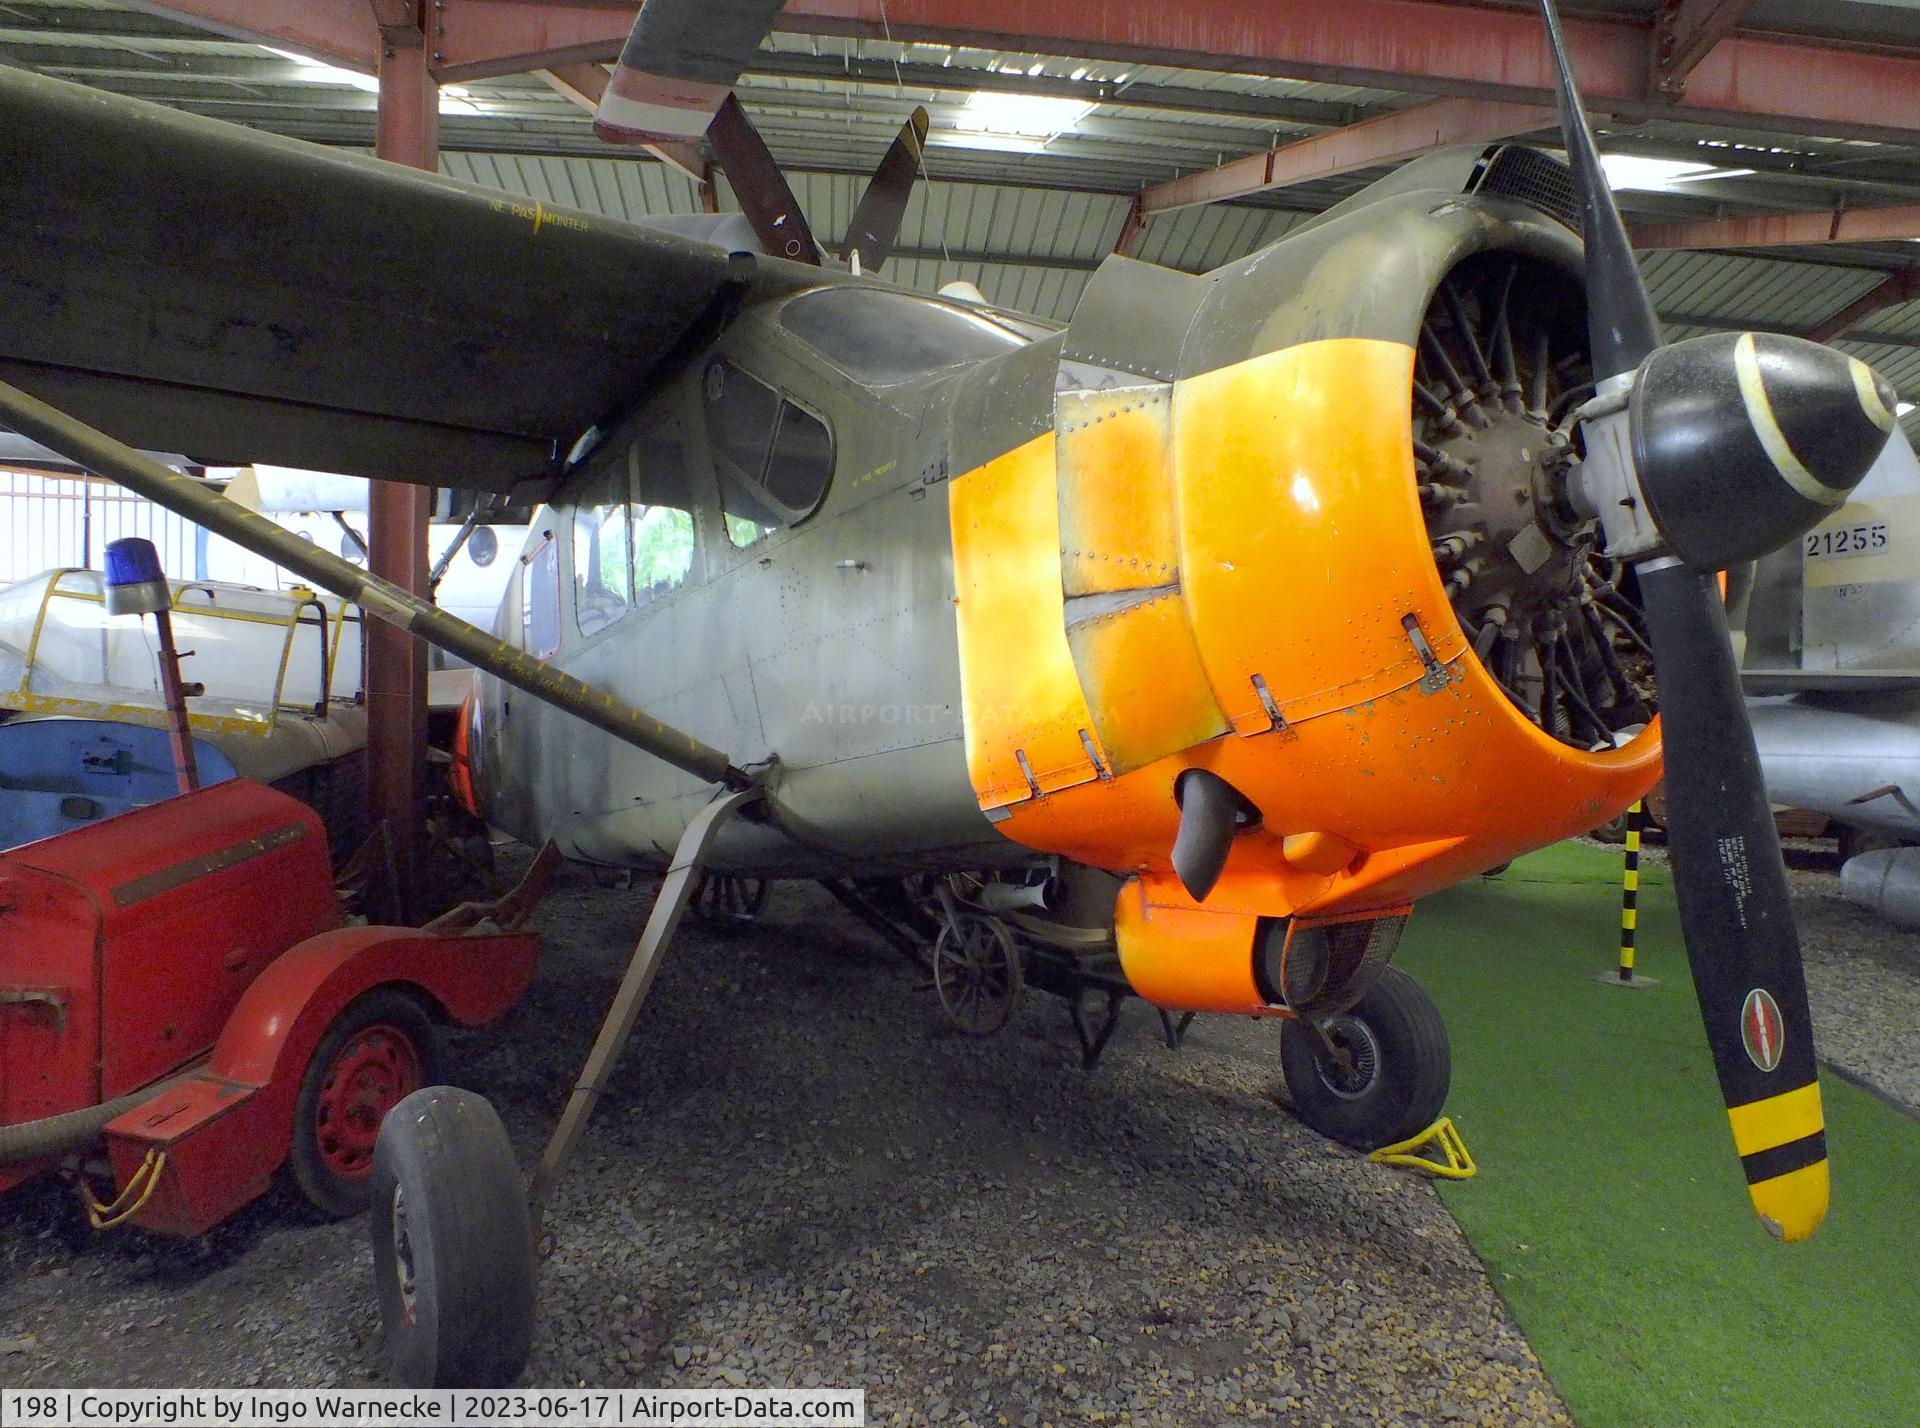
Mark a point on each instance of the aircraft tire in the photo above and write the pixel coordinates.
(1401, 1066)
(453, 1257)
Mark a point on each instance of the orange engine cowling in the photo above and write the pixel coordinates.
(1221, 562)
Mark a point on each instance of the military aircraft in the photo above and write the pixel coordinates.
(1832, 671)
(1220, 626)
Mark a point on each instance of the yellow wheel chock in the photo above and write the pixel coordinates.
(1457, 1164)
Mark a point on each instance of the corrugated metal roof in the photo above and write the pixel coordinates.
(1765, 291)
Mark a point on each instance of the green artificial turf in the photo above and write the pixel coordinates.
(1609, 1209)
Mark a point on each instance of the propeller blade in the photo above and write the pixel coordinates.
(877, 218)
(1734, 908)
(760, 186)
(1701, 455)
(1621, 324)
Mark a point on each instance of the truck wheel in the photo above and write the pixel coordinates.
(453, 1254)
(1391, 1076)
(380, 1049)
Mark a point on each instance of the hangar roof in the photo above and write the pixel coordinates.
(1028, 226)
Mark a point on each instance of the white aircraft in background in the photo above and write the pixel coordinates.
(1832, 671)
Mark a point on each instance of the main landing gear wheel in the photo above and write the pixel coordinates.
(1381, 1073)
(976, 971)
(379, 1050)
(453, 1257)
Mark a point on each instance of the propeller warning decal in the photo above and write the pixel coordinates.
(1761, 1030)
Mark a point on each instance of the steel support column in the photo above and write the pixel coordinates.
(407, 131)
(1683, 33)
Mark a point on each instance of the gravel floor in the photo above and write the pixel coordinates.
(802, 1178)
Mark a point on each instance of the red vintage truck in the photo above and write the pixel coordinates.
(184, 1010)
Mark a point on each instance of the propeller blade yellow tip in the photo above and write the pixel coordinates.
(1792, 1206)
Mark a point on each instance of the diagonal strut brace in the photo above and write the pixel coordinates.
(676, 891)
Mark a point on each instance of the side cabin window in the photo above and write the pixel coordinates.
(660, 512)
(540, 596)
(633, 535)
(602, 567)
(773, 456)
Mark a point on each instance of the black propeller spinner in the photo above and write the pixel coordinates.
(1699, 455)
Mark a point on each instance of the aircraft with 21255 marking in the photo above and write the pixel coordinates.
(1176, 652)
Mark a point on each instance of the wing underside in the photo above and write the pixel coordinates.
(189, 285)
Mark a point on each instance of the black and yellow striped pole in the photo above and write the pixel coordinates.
(1630, 889)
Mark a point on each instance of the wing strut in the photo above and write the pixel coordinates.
(676, 891)
(96, 451)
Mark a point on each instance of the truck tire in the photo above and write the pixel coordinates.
(1397, 1074)
(380, 1049)
(453, 1258)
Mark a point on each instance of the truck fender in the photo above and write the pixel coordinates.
(281, 1018)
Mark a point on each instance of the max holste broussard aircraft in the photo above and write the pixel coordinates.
(1227, 622)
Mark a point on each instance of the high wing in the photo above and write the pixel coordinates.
(189, 285)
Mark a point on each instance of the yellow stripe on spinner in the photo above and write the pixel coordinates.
(1753, 391)
(1870, 402)
(1789, 1116)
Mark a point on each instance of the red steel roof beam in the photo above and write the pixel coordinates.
(1770, 82)
(338, 31)
(480, 39)
(1131, 227)
(1784, 230)
(1387, 139)
(1773, 82)
(1684, 33)
(1897, 288)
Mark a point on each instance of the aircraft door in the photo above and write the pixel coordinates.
(644, 628)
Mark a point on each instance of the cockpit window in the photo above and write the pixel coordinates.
(774, 458)
(801, 460)
(880, 338)
(740, 414)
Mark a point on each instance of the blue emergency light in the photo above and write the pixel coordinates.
(135, 583)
